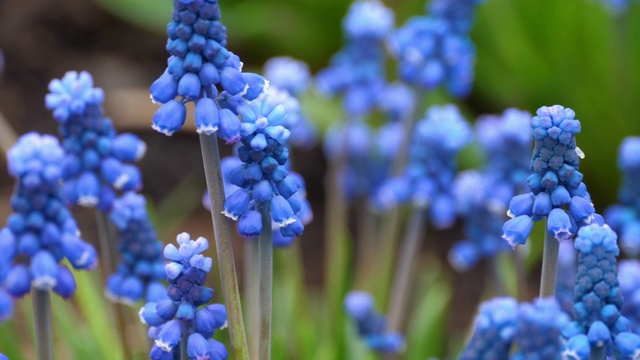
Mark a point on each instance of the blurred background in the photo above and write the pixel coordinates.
(577, 53)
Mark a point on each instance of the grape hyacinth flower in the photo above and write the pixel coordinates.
(288, 74)
(303, 134)
(141, 270)
(96, 160)
(437, 50)
(496, 325)
(357, 71)
(557, 190)
(566, 278)
(262, 178)
(304, 212)
(629, 278)
(182, 314)
(436, 142)
(482, 225)
(202, 70)
(624, 217)
(539, 328)
(41, 232)
(371, 325)
(598, 298)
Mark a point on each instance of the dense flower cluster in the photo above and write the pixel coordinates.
(624, 217)
(96, 158)
(141, 270)
(263, 178)
(495, 327)
(371, 325)
(557, 190)
(437, 140)
(198, 64)
(41, 232)
(436, 49)
(181, 311)
(357, 71)
(539, 326)
(629, 278)
(288, 74)
(304, 212)
(566, 278)
(597, 295)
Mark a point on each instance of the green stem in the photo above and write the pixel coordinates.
(405, 270)
(224, 246)
(366, 240)
(42, 318)
(549, 266)
(266, 282)
(107, 243)
(251, 293)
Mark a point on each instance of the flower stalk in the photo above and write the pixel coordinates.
(549, 266)
(224, 246)
(42, 316)
(266, 282)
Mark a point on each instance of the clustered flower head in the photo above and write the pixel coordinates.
(141, 271)
(495, 327)
(304, 213)
(357, 71)
(263, 178)
(41, 232)
(201, 70)
(629, 278)
(96, 159)
(288, 74)
(371, 325)
(437, 140)
(182, 311)
(557, 190)
(598, 298)
(436, 49)
(538, 332)
(624, 217)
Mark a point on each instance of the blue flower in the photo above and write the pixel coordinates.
(629, 278)
(357, 70)
(556, 184)
(181, 309)
(6, 306)
(496, 325)
(95, 160)
(432, 51)
(371, 325)
(201, 70)
(624, 217)
(41, 232)
(141, 267)
(539, 328)
(598, 297)
(287, 74)
(262, 176)
(437, 140)
(460, 13)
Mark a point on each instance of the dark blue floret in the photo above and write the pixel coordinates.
(496, 326)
